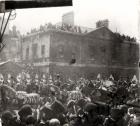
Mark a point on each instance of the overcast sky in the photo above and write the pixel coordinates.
(122, 14)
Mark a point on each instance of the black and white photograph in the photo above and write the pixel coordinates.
(69, 63)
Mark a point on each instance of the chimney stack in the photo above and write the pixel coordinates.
(102, 23)
(68, 18)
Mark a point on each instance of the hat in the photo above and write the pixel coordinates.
(36, 76)
(71, 103)
(47, 113)
(28, 76)
(116, 113)
(18, 77)
(81, 102)
(62, 118)
(134, 79)
(80, 112)
(1, 76)
(111, 77)
(25, 111)
(91, 107)
(50, 79)
(54, 122)
(44, 76)
(99, 76)
(30, 120)
(57, 107)
(9, 76)
(7, 115)
(124, 108)
(57, 75)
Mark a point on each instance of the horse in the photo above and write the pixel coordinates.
(102, 95)
(49, 89)
(20, 98)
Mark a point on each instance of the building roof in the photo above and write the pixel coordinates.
(60, 31)
(76, 33)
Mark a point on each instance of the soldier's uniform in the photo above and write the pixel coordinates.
(43, 79)
(42, 85)
(50, 80)
(19, 86)
(134, 87)
(58, 81)
(28, 84)
(9, 81)
(35, 85)
(98, 82)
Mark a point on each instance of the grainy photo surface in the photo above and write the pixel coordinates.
(69, 63)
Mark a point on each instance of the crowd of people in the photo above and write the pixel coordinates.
(100, 102)
(76, 29)
(126, 37)
(63, 27)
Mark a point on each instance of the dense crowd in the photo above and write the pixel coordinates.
(126, 37)
(99, 102)
(76, 29)
(63, 27)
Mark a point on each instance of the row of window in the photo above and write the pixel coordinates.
(34, 51)
(35, 48)
(91, 50)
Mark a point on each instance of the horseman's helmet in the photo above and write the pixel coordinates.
(111, 77)
(1, 78)
(134, 79)
(44, 76)
(99, 76)
(9, 76)
(58, 75)
(50, 79)
(36, 76)
(19, 77)
(28, 77)
(77, 89)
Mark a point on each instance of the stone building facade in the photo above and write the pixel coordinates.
(87, 54)
(12, 48)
